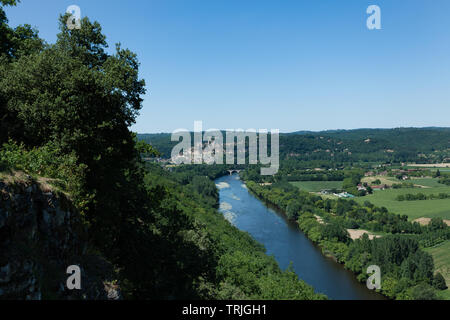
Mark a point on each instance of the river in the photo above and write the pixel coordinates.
(285, 241)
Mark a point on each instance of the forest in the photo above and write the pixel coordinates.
(338, 148)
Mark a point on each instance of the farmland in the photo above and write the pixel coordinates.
(316, 186)
(441, 258)
(435, 165)
(413, 209)
(442, 168)
(428, 183)
(389, 181)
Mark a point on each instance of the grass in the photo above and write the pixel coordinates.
(383, 179)
(444, 295)
(427, 182)
(15, 177)
(441, 258)
(316, 186)
(441, 169)
(413, 209)
(430, 168)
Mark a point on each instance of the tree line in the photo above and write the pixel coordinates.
(421, 196)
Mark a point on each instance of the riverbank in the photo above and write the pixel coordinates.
(407, 270)
(325, 251)
(284, 241)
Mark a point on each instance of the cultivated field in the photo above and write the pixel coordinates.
(413, 209)
(426, 221)
(358, 233)
(389, 181)
(427, 182)
(435, 165)
(316, 186)
(434, 169)
(441, 257)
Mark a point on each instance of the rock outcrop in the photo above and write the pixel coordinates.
(41, 235)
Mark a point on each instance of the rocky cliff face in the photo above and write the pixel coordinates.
(41, 234)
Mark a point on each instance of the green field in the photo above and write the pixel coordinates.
(441, 257)
(427, 182)
(316, 186)
(413, 209)
(433, 169)
(383, 179)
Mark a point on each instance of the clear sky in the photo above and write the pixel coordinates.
(288, 65)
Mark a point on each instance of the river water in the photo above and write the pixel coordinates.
(284, 240)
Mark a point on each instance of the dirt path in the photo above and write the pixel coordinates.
(358, 233)
(425, 221)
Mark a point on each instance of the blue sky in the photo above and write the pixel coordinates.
(289, 65)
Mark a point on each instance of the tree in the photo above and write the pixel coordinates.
(335, 231)
(376, 182)
(5, 31)
(144, 148)
(439, 282)
(205, 187)
(423, 291)
(83, 100)
(418, 266)
(9, 2)
(293, 209)
(437, 223)
(14, 43)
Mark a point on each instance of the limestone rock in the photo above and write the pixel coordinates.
(41, 234)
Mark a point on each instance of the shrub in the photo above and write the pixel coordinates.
(439, 282)
(46, 161)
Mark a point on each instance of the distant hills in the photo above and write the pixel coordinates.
(428, 144)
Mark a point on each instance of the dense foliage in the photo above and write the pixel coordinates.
(445, 179)
(421, 196)
(333, 149)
